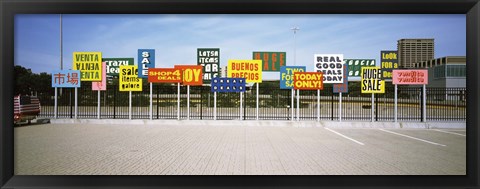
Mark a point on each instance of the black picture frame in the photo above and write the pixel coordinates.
(8, 8)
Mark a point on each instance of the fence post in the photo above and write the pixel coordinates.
(114, 103)
(158, 95)
(376, 107)
(201, 102)
(331, 106)
(71, 107)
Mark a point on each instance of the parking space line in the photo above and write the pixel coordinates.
(449, 132)
(345, 136)
(412, 137)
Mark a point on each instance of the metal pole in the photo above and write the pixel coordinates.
(61, 43)
(340, 108)
(372, 113)
(241, 103)
(257, 99)
(55, 112)
(396, 103)
(298, 105)
(214, 105)
(178, 101)
(318, 104)
(151, 101)
(76, 102)
(188, 102)
(293, 104)
(424, 103)
(130, 105)
(98, 105)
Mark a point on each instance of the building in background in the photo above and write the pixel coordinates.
(411, 51)
(447, 72)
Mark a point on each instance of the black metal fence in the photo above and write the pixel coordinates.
(443, 104)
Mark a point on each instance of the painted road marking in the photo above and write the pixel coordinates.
(449, 132)
(345, 136)
(412, 137)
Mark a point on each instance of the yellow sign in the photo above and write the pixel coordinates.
(129, 80)
(89, 64)
(251, 70)
(372, 80)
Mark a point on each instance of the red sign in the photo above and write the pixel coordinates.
(165, 75)
(410, 77)
(308, 80)
(192, 74)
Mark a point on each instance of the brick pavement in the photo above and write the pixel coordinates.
(101, 149)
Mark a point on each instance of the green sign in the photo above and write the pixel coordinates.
(271, 61)
(355, 66)
(113, 64)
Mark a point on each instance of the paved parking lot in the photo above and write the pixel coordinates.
(122, 149)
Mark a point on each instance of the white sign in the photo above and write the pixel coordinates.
(331, 65)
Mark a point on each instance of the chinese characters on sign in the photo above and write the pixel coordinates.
(372, 80)
(271, 61)
(89, 64)
(129, 80)
(251, 70)
(331, 65)
(66, 78)
(209, 59)
(410, 77)
(286, 75)
(308, 80)
(228, 85)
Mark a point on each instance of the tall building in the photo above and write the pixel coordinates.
(411, 51)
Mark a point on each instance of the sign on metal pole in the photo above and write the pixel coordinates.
(286, 80)
(129, 80)
(191, 75)
(100, 86)
(146, 61)
(271, 61)
(411, 77)
(251, 70)
(331, 65)
(209, 59)
(229, 85)
(89, 64)
(65, 79)
(341, 88)
(372, 83)
(308, 81)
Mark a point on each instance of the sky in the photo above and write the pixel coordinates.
(176, 37)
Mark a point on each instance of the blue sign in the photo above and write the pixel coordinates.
(66, 78)
(146, 60)
(286, 75)
(228, 85)
(342, 87)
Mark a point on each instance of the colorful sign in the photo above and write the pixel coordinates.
(410, 77)
(129, 80)
(271, 61)
(286, 75)
(251, 70)
(308, 80)
(355, 66)
(228, 85)
(342, 87)
(66, 78)
(89, 64)
(209, 58)
(102, 85)
(113, 64)
(191, 74)
(165, 75)
(146, 60)
(331, 65)
(372, 80)
(388, 62)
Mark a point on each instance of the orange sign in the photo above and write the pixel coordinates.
(164, 75)
(308, 80)
(192, 74)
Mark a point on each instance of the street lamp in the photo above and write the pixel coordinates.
(295, 29)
